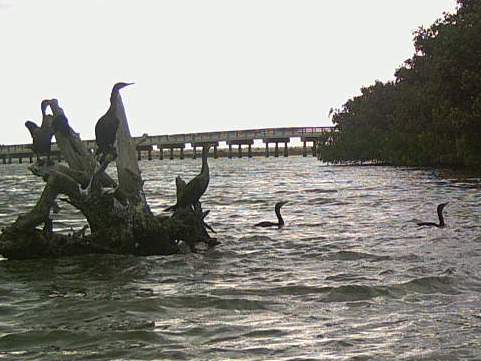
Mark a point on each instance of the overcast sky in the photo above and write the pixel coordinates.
(199, 65)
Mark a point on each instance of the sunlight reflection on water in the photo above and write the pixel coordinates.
(350, 276)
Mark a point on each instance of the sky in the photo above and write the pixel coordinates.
(199, 65)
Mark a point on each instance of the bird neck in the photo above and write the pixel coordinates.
(205, 165)
(113, 97)
(279, 217)
(441, 218)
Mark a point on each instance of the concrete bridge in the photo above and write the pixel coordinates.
(232, 138)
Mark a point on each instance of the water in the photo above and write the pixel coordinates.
(350, 276)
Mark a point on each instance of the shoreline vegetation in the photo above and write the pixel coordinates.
(430, 114)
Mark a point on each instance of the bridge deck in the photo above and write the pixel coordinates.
(308, 134)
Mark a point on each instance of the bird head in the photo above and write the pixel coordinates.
(31, 126)
(119, 86)
(205, 148)
(280, 204)
(441, 206)
(43, 106)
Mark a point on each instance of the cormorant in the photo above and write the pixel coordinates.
(60, 124)
(440, 215)
(197, 186)
(106, 127)
(41, 136)
(280, 221)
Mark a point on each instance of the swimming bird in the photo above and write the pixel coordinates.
(280, 221)
(106, 127)
(197, 186)
(440, 215)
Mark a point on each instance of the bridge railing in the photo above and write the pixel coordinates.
(216, 136)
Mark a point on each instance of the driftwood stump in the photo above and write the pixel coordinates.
(117, 211)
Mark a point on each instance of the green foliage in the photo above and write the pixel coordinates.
(431, 113)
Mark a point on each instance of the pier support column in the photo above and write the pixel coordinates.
(139, 155)
(276, 152)
(230, 151)
(267, 150)
(149, 154)
(304, 149)
(194, 152)
(9, 160)
(181, 153)
(4, 160)
(30, 159)
(314, 149)
(286, 151)
(215, 152)
(20, 160)
(249, 151)
(171, 153)
(161, 153)
(240, 151)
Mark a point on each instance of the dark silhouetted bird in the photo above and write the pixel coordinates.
(106, 127)
(440, 216)
(280, 221)
(197, 186)
(41, 139)
(41, 136)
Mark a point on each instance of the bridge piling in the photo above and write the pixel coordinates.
(194, 152)
(316, 135)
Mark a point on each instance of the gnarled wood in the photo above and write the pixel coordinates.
(119, 218)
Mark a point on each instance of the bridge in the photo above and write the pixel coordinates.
(232, 138)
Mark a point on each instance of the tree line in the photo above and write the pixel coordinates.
(430, 114)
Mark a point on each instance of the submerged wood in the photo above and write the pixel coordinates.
(117, 213)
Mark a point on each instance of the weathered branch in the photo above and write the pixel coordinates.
(119, 217)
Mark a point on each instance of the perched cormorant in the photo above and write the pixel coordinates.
(280, 221)
(197, 186)
(106, 127)
(41, 138)
(60, 124)
(440, 215)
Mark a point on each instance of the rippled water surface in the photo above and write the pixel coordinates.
(350, 276)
